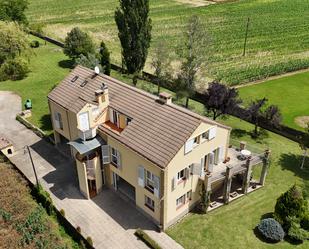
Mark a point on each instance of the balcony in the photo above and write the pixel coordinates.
(89, 134)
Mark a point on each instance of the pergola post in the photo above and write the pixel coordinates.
(247, 176)
(227, 184)
(265, 167)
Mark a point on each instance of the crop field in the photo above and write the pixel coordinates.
(289, 93)
(278, 38)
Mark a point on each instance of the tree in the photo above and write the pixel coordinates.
(304, 145)
(78, 42)
(134, 32)
(161, 64)
(105, 59)
(220, 99)
(14, 51)
(90, 61)
(192, 52)
(13, 10)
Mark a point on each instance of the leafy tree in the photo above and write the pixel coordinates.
(13, 10)
(134, 32)
(78, 42)
(105, 59)
(14, 69)
(220, 99)
(192, 52)
(290, 204)
(90, 61)
(161, 64)
(304, 145)
(273, 115)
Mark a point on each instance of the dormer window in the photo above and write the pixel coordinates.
(128, 120)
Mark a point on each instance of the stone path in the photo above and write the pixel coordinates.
(109, 220)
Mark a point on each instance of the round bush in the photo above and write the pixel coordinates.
(271, 230)
(14, 69)
(34, 44)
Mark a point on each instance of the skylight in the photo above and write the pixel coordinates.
(84, 83)
(74, 78)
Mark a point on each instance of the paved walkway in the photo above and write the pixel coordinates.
(108, 219)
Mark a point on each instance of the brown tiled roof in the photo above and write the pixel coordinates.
(157, 131)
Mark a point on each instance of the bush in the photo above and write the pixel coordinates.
(271, 230)
(78, 229)
(89, 239)
(62, 212)
(295, 232)
(304, 223)
(44, 198)
(14, 69)
(34, 44)
(146, 239)
(89, 61)
(290, 204)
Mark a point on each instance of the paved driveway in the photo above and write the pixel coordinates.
(108, 219)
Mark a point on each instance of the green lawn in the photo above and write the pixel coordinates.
(277, 42)
(45, 74)
(290, 93)
(232, 226)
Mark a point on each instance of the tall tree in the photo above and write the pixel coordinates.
(13, 10)
(105, 59)
(220, 99)
(193, 52)
(304, 145)
(134, 32)
(255, 111)
(161, 64)
(78, 43)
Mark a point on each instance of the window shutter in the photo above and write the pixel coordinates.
(57, 122)
(212, 132)
(119, 160)
(189, 146)
(187, 173)
(111, 116)
(221, 154)
(196, 169)
(141, 176)
(202, 172)
(173, 183)
(105, 154)
(211, 162)
(156, 190)
(84, 121)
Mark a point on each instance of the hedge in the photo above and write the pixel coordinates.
(146, 239)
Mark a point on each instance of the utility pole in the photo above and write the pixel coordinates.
(36, 177)
(246, 37)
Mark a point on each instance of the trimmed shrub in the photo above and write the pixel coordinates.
(44, 198)
(14, 69)
(271, 230)
(34, 44)
(297, 233)
(146, 239)
(89, 239)
(290, 204)
(304, 223)
(62, 212)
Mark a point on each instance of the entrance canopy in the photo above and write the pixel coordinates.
(83, 147)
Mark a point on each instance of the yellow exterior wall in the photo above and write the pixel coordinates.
(57, 108)
(82, 178)
(181, 161)
(129, 172)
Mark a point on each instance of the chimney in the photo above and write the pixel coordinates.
(102, 95)
(165, 98)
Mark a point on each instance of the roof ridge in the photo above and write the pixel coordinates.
(154, 97)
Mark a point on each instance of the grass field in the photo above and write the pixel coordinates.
(290, 93)
(21, 218)
(277, 42)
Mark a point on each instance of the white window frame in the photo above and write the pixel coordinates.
(115, 155)
(179, 177)
(58, 121)
(149, 176)
(206, 138)
(189, 195)
(181, 201)
(149, 203)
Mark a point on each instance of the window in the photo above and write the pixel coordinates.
(205, 136)
(181, 201)
(115, 157)
(115, 118)
(196, 141)
(58, 121)
(149, 181)
(95, 111)
(189, 195)
(181, 175)
(149, 203)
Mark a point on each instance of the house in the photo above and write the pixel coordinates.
(142, 146)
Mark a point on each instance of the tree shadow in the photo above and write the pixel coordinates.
(292, 162)
(262, 135)
(66, 64)
(267, 215)
(237, 133)
(46, 123)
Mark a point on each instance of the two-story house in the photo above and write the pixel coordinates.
(141, 145)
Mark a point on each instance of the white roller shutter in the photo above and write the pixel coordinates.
(212, 132)
(189, 146)
(211, 162)
(111, 115)
(84, 121)
(221, 154)
(105, 154)
(141, 176)
(156, 190)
